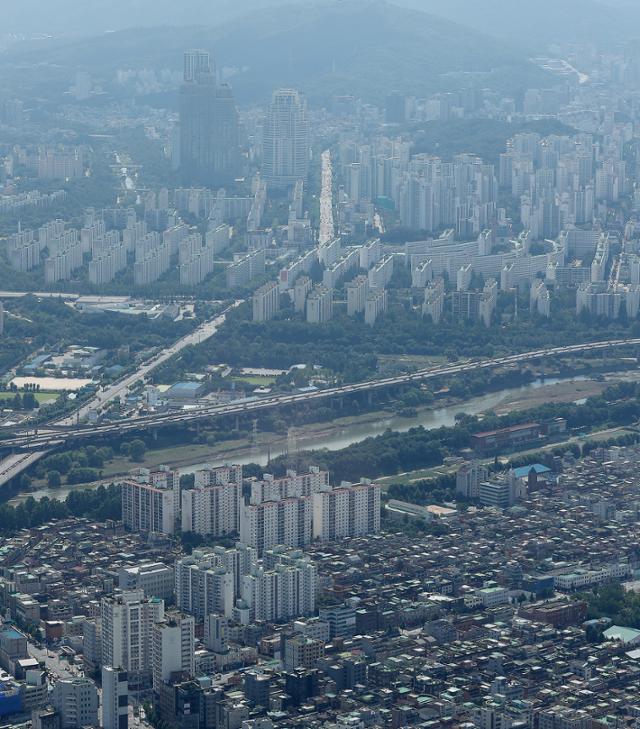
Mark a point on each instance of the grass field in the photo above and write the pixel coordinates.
(43, 398)
(257, 380)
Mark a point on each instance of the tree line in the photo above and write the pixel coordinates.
(97, 504)
(394, 452)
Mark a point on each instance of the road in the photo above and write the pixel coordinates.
(16, 463)
(50, 439)
(121, 388)
(327, 228)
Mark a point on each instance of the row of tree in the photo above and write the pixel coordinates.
(99, 504)
(394, 452)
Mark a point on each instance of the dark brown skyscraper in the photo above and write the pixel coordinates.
(209, 152)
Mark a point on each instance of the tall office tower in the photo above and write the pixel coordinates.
(285, 145)
(350, 511)
(76, 700)
(115, 698)
(127, 620)
(196, 63)
(209, 124)
(172, 648)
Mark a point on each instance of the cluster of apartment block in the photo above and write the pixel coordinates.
(114, 239)
(32, 199)
(561, 180)
(195, 260)
(236, 584)
(293, 510)
(366, 294)
(428, 194)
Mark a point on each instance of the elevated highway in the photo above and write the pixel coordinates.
(44, 438)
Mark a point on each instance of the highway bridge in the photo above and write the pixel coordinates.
(48, 438)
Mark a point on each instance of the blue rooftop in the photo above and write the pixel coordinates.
(36, 362)
(526, 470)
(11, 633)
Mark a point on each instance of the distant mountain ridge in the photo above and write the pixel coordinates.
(355, 46)
(543, 21)
(91, 17)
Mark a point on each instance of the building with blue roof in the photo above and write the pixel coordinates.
(524, 471)
(185, 391)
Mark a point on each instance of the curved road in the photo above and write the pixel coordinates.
(48, 439)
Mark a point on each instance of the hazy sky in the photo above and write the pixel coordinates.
(542, 21)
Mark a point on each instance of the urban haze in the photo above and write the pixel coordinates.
(319, 364)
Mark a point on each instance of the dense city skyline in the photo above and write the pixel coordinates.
(319, 345)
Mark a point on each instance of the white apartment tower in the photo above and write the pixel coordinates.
(357, 293)
(347, 511)
(127, 621)
(375, 306)
(266, 302)
(469, 477)
(148, 505)
(213, 505)
(292, 485)
(269, 523)
(172, 648)
(319, 305)
(209, 581)
(284, 592)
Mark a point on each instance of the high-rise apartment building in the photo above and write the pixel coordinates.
(204, 588)
(209, 144)
(266, 302)
(349, 511)
(213, 505)
(319, 305)
(469, 477)
(127, 621)
(208, 581)
(269, 523)
(286, 591)
(291, 485)
(150, 504)
(357, 292)
(172, 648)
(285, 150)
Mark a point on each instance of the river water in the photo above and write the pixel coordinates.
(335, 439)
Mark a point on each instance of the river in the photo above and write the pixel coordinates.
(334, 439)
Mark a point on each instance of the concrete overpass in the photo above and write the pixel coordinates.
(46, 438)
